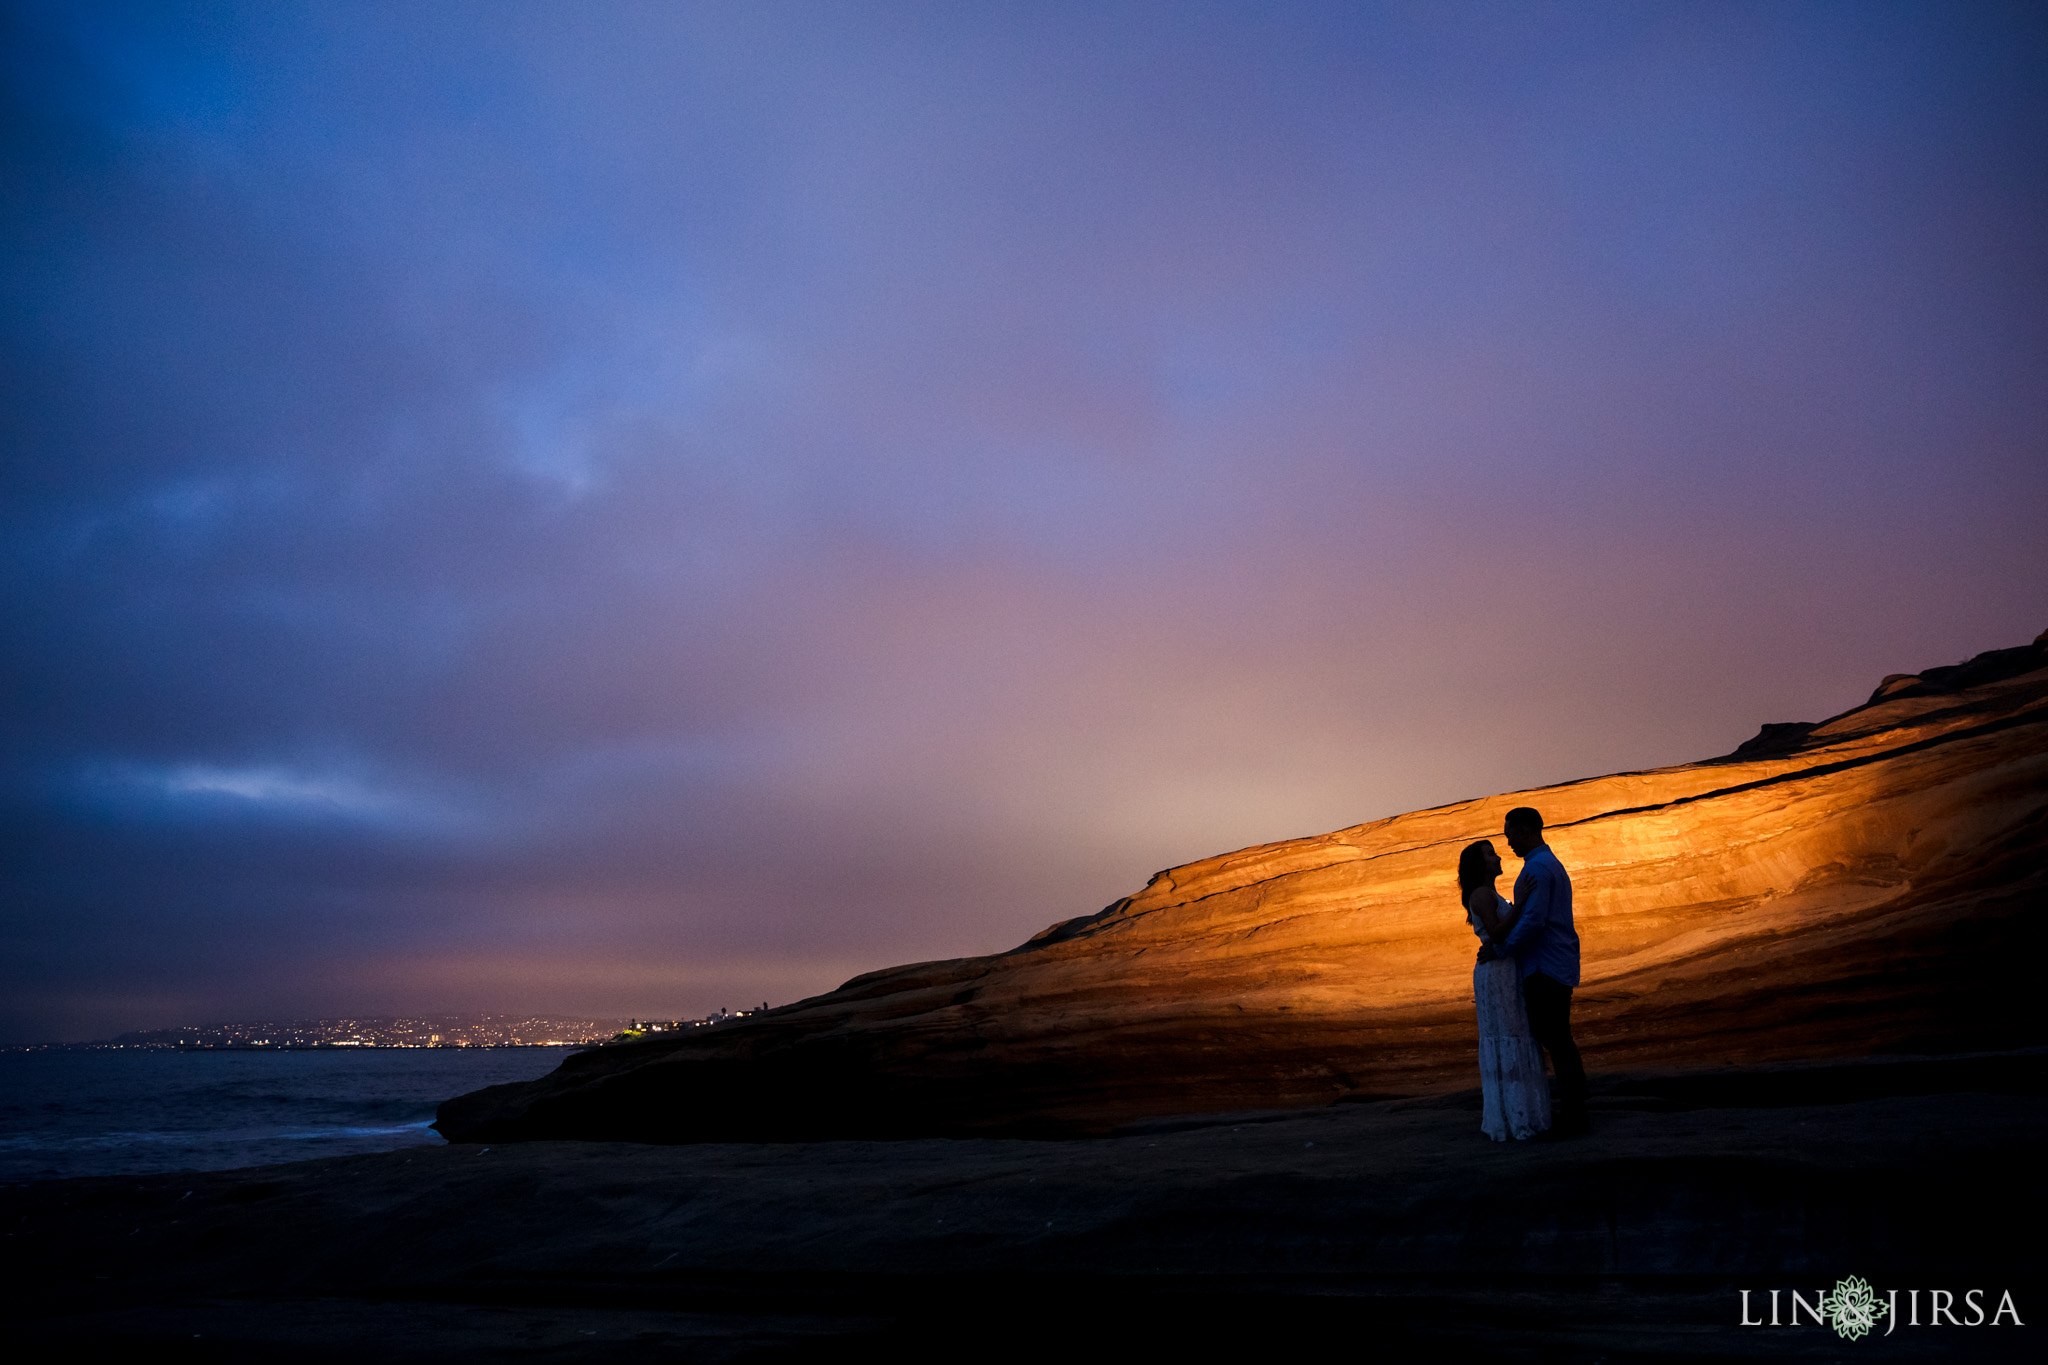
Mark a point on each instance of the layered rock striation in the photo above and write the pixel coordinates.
(1874, 883)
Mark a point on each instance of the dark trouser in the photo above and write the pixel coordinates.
(1550, 1019)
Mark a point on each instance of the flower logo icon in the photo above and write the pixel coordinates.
(1853, 1308)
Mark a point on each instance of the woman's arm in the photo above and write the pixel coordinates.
(1485, 908)
(1508, 921)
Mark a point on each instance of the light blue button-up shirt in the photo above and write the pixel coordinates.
(1543, 939)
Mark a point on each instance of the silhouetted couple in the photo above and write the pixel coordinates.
(1522, 984)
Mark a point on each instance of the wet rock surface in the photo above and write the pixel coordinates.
(1391, 1224)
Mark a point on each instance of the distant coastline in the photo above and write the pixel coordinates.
(111, 1046)
(361, 1032)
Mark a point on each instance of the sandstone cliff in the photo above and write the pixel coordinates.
(1874, 883)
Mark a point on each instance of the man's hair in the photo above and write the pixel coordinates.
(1526, 817)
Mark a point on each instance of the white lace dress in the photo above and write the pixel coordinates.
(1511, 1079)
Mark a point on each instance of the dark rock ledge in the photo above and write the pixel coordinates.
(1393, 1226)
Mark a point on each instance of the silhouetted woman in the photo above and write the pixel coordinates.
(1510, 1067)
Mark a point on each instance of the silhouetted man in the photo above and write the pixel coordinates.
(1546, 945)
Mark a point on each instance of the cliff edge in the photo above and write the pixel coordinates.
(1869, 884)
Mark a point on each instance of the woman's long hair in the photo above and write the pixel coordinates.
(1473, 870)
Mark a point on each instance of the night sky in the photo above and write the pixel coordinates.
(635, 509)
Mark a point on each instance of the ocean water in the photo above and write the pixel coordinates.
(132, 1112)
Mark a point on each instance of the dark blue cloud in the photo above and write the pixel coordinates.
(634, 510)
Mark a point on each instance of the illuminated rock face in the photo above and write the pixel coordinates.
(1876, 883)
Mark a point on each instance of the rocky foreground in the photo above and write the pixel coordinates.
(1387, 1230)
(1870, 884)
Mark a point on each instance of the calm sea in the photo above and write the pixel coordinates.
(126, 1113)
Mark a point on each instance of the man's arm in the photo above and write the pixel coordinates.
(1530, 915)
